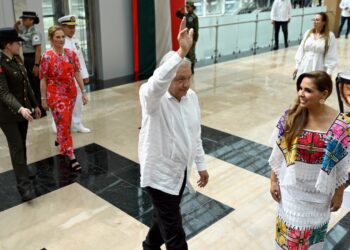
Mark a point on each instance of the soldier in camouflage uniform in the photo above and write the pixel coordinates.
(191, 22)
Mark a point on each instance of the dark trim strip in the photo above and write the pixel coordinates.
(147, 37)
(136, 36)
(175, 21)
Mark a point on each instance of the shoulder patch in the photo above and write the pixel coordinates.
(36, 38)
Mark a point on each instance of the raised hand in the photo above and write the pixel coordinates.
(185, 38)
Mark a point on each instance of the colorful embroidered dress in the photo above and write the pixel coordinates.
(308, 175)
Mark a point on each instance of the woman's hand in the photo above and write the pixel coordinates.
(275, 191)
(37, 113)
(85, 98)
(337, 199)
(295, 74)
(44, 104)
(36, 70)
(26, 113)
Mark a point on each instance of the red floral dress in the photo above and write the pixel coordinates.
(59, 71)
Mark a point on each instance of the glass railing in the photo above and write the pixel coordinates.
(230, 36)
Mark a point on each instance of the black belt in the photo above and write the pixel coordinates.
(29, 54)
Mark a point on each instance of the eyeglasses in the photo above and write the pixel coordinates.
(182, 80)
(316, 20)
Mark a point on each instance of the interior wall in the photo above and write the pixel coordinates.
(113, 39)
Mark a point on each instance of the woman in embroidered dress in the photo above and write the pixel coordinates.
(59, 68)
(310, 161)
(317, 51)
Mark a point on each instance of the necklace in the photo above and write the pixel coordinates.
(59, 53)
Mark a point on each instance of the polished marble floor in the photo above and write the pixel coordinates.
(104, 207)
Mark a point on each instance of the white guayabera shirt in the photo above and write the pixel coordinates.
(170, 137)
(281, 10)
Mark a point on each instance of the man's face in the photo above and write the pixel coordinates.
(189, 8)
(69, 30)
(181, 83)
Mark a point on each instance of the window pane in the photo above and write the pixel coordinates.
(199, 7)
(213, 7)
(231, 6)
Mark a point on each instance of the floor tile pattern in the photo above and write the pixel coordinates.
(241, 152)
(116, 180)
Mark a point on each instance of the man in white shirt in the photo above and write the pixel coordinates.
(345, 16)
(169, 143)
(69, 23)
(281, 13)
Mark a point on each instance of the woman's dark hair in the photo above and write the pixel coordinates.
(3, 44)
(297, 115)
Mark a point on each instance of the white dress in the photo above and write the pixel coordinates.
(310, 55)
(308, 176)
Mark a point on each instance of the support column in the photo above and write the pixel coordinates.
(7, 15)
(333, 14)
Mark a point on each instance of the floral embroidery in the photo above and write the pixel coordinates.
(311, 147)
(318, 235)
(290, 238)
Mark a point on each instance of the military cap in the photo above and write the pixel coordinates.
(30, 14)
(67, 20)
(9, 35)
(191, 4)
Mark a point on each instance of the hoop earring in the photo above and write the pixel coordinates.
(322, 101)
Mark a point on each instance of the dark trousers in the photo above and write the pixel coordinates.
(342, 22)
(29, 62)
(167, 221)
(284, 30)
(16, 135)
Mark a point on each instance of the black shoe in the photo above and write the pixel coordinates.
(75, 165)
(275, 48)
(346, 37)
(286, 45)
(27, 193)
(56, 143)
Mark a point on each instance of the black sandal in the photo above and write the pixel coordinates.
(75, 165)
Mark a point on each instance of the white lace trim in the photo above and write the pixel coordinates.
(303, 215)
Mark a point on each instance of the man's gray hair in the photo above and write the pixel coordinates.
(167, 56)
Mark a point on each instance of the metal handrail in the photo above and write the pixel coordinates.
(256, 21)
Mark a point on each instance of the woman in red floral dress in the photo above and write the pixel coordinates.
(59, 68)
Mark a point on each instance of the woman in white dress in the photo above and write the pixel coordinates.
(309, 162)
(317, 50)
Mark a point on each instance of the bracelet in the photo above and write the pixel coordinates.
(84, 91)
